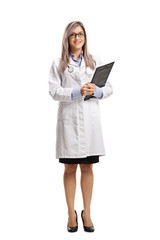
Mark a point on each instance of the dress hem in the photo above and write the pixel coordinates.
(81, 156)
(86, 160)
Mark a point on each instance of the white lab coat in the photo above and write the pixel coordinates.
(78, 130)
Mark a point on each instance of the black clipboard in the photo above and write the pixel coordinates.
(100, 77)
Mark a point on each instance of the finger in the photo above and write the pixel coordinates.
(88, 84)
(88, 92)
(91, 89)
(92, 85)
(88, 88)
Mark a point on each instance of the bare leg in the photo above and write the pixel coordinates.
(69, 179)
(87, 187)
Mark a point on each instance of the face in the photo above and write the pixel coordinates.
(76, 42)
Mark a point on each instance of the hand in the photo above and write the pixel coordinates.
(88, 89)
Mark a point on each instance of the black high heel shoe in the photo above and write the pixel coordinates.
(73, 229)
(87, 229)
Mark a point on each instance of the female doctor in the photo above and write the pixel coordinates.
(79, 138)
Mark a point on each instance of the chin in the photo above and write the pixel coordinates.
(78, 47)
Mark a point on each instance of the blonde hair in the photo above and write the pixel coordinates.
(65, 54)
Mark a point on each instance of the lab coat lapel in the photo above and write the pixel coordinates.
(82, 63)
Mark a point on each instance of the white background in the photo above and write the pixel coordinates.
(126, 197)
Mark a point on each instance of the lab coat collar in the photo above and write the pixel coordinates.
(81, 55)
(73, 63)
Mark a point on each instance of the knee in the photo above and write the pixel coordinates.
(86, 168)
(70, 168)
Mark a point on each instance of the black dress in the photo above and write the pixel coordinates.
(86, 160)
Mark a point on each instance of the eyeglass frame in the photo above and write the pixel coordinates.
(74, 35)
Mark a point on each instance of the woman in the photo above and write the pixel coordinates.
(79, 134)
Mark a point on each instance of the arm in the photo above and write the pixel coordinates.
(57, 92)
(107, 90)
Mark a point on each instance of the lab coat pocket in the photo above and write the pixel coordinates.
(64, 111)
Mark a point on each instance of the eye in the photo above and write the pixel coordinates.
(80, 34)
(72, 35)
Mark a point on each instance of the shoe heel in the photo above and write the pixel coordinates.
(73, 229)
(87, 229)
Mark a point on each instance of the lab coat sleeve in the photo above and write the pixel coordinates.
(107, 90)
(56, 91)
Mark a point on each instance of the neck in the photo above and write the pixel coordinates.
(76, 53)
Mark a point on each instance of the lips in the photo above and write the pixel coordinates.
(77, 42)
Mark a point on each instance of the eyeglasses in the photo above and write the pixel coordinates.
(80, 35)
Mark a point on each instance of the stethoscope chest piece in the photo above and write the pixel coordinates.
(70, 69)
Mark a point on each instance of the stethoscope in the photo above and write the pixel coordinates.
(71, 69)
